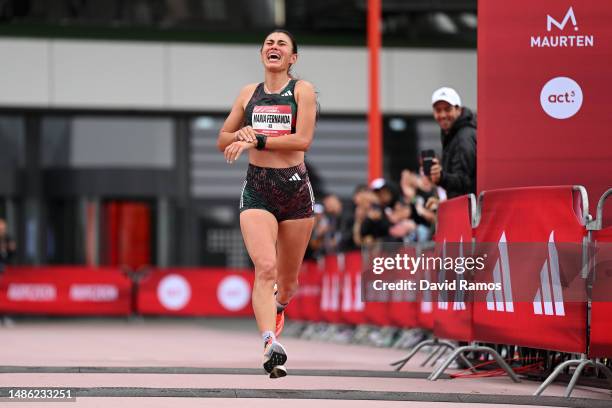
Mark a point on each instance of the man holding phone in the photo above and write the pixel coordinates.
(456, 171)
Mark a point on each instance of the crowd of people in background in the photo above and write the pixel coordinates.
(386, 211)
(382, 210)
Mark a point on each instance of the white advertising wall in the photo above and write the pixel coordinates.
(207, 77)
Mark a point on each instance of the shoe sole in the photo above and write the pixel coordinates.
(278, 371)
(278, 357)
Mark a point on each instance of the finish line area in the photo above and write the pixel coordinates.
(216, 362)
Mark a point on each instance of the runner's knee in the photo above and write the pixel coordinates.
(265, 270)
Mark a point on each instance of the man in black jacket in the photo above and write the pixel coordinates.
(457, 172)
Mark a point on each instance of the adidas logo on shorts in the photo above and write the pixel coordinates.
(295, 177)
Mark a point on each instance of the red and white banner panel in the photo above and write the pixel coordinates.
(403, 306)
(65, 290)
(352, 307)
(453, 313)
(426, 298)
(601, 310)
(196, 292)
(530, 308)
(331, 290)
(544, 93)
(309, 291)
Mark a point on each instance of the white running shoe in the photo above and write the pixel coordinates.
(274, 359)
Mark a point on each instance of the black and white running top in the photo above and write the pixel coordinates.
(272, 114)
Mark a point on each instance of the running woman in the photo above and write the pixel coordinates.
(275, 121)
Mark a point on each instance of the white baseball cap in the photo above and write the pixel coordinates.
(378, 183)
(447, 95)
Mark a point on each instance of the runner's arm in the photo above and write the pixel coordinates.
(306, 118)
(235, 119)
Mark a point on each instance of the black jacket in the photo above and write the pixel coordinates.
(459, 156)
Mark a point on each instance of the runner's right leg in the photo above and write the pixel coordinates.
(260, 232)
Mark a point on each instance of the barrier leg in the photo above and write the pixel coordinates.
(431, 354)
(572, 384)
(442, 350)
(502, 363)
(606, 372)
(467, 362)
(554, 375)
(575, 376)
(444, 365)
(414, 350)
(578, 371)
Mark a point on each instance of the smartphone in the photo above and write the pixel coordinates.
(427, 157)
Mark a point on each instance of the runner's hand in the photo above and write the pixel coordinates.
(233, 151)
(246, 134)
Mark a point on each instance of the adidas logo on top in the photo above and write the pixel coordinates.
(288, 93)
(295, 177)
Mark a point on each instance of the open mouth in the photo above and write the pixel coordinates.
(274, 56)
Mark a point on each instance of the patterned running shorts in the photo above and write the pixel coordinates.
(285, 192)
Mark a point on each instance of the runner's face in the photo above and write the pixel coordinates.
(277, 52)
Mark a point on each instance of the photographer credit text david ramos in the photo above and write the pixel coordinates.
(424, 284)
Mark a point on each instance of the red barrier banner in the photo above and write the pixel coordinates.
(403, 306)
(538, 215)
(295, 309)
(65, 290)
(376, 310)
(331, 291)
(352, 308)
(196, 292)
(453, 314)
(543, 88)
(601, 312)
(425, 314)
(309, 291)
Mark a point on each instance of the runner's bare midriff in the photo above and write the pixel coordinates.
(275, 159)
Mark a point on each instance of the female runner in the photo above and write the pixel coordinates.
(275, 121)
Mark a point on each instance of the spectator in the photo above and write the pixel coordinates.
(416, 192)
(335, 233)
(365, 202)
(376, 224)
(7, 246)
(456, 172)
(330, 231)
(316, 243)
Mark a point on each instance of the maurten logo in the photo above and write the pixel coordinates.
(561, 98)
(554, 41)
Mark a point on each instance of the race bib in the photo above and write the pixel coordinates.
(273, 120)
